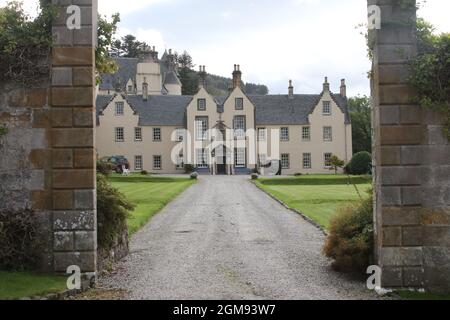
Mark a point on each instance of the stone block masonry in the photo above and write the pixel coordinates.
(73, 147)
(48, 155)
(412, 164)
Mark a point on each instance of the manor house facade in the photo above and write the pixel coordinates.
(142, 115)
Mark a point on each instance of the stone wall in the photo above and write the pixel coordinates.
(48, 156)
(412, 160)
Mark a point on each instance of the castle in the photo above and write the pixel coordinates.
(142, 115)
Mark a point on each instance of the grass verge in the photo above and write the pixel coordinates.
(16, 285)
(150, 194)
(316, 196)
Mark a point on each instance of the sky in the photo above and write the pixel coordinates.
(272, 41)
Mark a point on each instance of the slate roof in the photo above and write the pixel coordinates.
(127, 70)
(279, 109)
(269, 110)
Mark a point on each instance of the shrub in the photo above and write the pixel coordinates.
(361, 163)
(194, 175)
(350, 243)
(19, 240)
(298, 174)
(105, 168)
(3, 130)
(144, 173)
(189, 168)
(255, 176)
(112, 212)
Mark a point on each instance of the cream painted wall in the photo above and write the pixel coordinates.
(152, 73)
(107, 145)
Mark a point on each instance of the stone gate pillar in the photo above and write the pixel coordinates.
(73, 136)
(412, 163)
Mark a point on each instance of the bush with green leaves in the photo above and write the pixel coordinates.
(361, 163)
(3, 130)
(19, 240)
(351, 240)
(430, 71)
(112, 212)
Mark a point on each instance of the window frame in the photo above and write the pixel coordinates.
(326, 105)
(179, 137)
(240, 106)
(198, 104)
(120, 104)
(265, 134)
(136, 131)
(305, 158)
(136, 168)
(204, 129)
(201, 162)
(284, 138)
(237, 134)
(155, 136)
(155, 158)
(328, 136)
(325, 156)
(288, 161)
(308, 136)
(116, 134)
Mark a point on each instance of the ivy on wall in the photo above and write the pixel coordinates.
(3, 130)
(430, 71)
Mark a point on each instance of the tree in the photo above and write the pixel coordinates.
(361, 116)
(128, 47)
(189, 78)
(106, 32)
(336, 163)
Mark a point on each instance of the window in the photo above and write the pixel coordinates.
(239, 127)
(201, 128)
(137, 134)
(239, 157)
(284, 134)
(157, 164)
(180, 161)
(138, 163)
(120, 135)
(262, 133)
(307, 163)
(119, 108)
(130, 89)
(262, 159)
(201, 104)
(156, 134)
(239, 104)
(201, 158)
(285, 163)
(327, 108)
(179, 135)
(327, 134)
(306, 134)
(327, 160)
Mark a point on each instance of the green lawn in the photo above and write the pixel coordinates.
(316, 196)
(20, 285)
(149, 193)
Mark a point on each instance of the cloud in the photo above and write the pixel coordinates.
(109, 7)
(152, 37)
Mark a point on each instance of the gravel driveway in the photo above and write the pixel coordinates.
(225, 239)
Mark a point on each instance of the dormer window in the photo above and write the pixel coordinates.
(201, 104)
(326, 108)
(239, 104)
(119, 108)
(130, 89)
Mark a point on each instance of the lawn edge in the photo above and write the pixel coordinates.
(304, 216)
(131, 235)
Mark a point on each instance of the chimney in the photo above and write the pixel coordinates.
(291, 90)
(326, 85)
(202, 74)
(343, 88)
(237, 76)
(145, 90)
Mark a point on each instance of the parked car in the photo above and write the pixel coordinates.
(118, 162)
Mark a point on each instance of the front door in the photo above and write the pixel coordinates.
(221, 156)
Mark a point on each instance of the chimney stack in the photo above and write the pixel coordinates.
(202, 74)
(291, 90)
(326, 85)
(145, 90)
(343, 88)
(237, 76)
